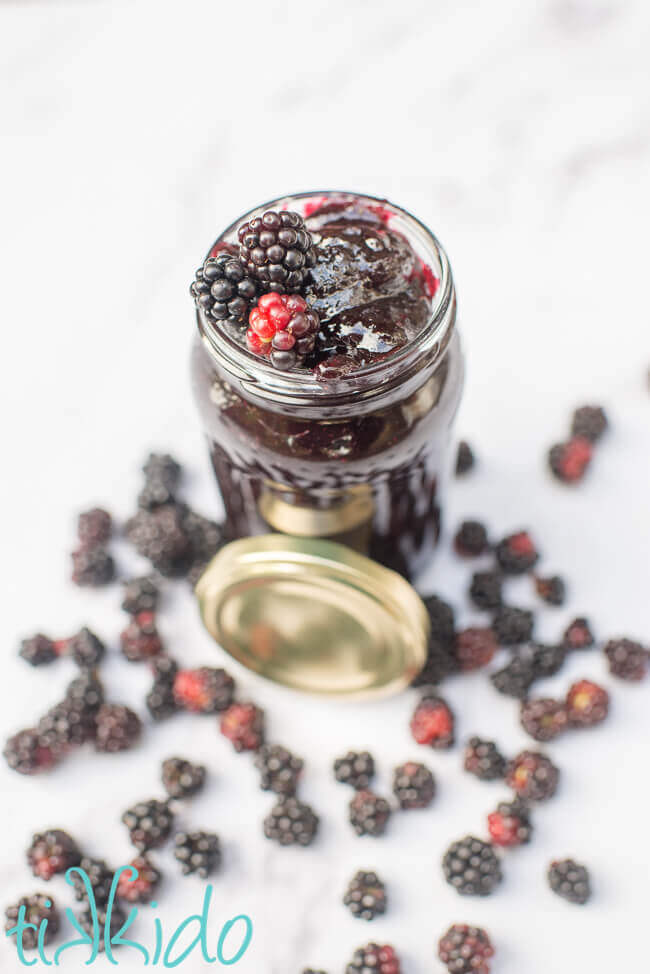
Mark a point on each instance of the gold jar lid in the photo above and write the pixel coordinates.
(314, 615)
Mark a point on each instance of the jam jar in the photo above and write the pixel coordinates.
(358, 455)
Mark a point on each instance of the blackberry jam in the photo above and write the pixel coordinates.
(354, 444)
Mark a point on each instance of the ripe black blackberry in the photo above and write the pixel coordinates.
(149, 824)
(85, 695)
(277, 249)
(374, 959)
(118, 728)
(441, 619)
(92, 566)
(140, 595)
(365, 896)
(465, 459)
(369, 813)
(544, 719)
(38, 907)
(551, 590)
(99, 876)
(472, 867)
(141, 888)
(578, 635)
(224, 289)
(279, 769)
(38, 650)
(356, 768)
(159, 536)
(516, 678)
(570, 880)
(628, 659)
(160, 700)
(483, 759)
(181, 778)
(197, 852)
(475, 647)
(532, 776)
(28, 752)
(516, 554)
(589, 422)
(51, 852)
(206, 537)
(64, 726)
(485, 589)
(465, 950)
(162, 475)
(94, 527)
(441, 660)
(471, 539)
(87, 923)
(413, 785)
(291, 822)
(85, 648)
(547, 660)
(512, 625)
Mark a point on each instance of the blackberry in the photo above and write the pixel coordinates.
(85, 695)
(243, 725)
(569, 461)
(516, 554)
(512, 625)
(532, 776)
(206, 537)
(162, 475)
(365, 896)
(483, 759)
(441, 619)
(475, 647)
(413, 785)
(92, 567)
(159, 536)
(279, 769)
(52, 852)
(291, 822)
(516, 678)
(99, 876)
(94, 527)
(578, 635)
(472, 867)
(589, 422)
(38, 907)
(356, 768)
(627, 659)
(38, 650)
(141, 639)
(510, 824)
(465, 950)
(86, 649)
(224, 289)
(149, 824)
(543, 718)
(547, 660)
(586, 704)
(485, 589)
(369, 813)
(197, 852)
(432, 722)
(570, 880)
(465, 459)
(142, 888)
(374, 959)
(65, 726)
(471, 539)
(551, 589)
(140, 595)
(28, 752)
(182, 779)
(160, 700)
(441, 661)
(204, 691)
(277, 249)
(118, 728)
(117, 920)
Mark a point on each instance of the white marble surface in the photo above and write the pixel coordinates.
(131, 132)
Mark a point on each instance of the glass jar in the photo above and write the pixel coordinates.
(361, 459)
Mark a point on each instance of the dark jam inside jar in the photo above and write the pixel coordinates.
(353, 445)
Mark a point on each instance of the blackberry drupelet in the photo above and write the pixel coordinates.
(547, 660)
(570, 880)
(628, 659)
(117, 920)
(118, 728)
(279, 769)
(483, 759)
(365, 896)
(544, 718)
(374, 959)
(94, 527)
(472, 867)
(510, 825)
(38, 650)
(475, 647)
(486, 589)
(86, 649)
(471, 539)
(432, 722)
(141, 888)
(197, 852)
(465, 950)
(369, 813)
(533, 776)
(149, 824)
(29, 752)
(224, 289)
(37, 908)
(356, 768)
(587, 704)
(140, 595)
(413, 785)
(141, 639)
(99, 876)
(551, 590)
(92, 567)
(512, 625)
(465, 459)
(160, 699)
(516, 554)
(569, 461)
(516, 678)
(205, 690)
(159, 536)
(181, 778)
(589, 422)
(52, 852)
(243, 725)
(578, 635)
(291, 822)
(277, 249)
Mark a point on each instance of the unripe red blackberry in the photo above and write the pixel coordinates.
(277, 249)
(282, 327)
(465, 950)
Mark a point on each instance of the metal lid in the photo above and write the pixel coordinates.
(314, 615)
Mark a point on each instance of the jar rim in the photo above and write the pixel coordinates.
(261, 379)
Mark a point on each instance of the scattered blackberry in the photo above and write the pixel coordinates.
(512, 626)
(28, 752)
(544, 718)
(141, 639)
(365, 896)
(149, 824)
(570, 881)
(441, 660)
(374, 959)
(475, 647)
(471, 539)
(547, 660)
(356, 768)
(118, 728)
(510, 824)
(142, 888)
(432, 723)
(52, 852)
(243, 725)
(413, 785)
(441, 619)
(291, 822)
(94, 527)
(224, 289)
(277, 249)
(38, 650)
(586, 704)
(279, 769)
(282, 327)
(516, 678)
(517, 553)
(92, 566)
(465, 950)
(551, 589)
(578, 635)
(569, 461)
(368, 813)
(65, 726)
(627, 659)
(472, 867)
(206, 539)
(160, 700)
(85, 695)
(140, 595)
(589, 422)
(162, 475)
(485, 590)
(99, 876)
(483, 759)
(182, 779)
(86, 649)
(204, 691)
(159, 536)
(38, 907)
(197, 852)
(532, 776)
(465, 459)
(117, 920)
